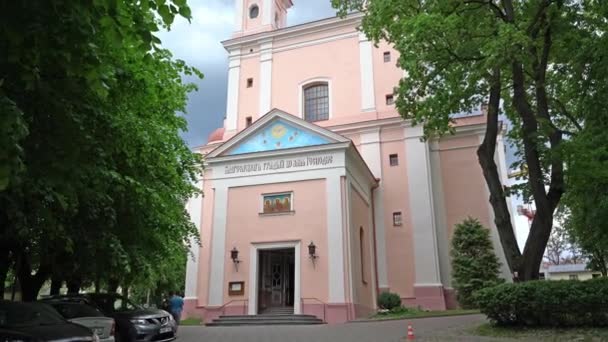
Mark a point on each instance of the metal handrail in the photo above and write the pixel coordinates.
(318, 300)
(223, 307)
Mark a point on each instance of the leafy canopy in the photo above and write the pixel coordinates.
(93, 174)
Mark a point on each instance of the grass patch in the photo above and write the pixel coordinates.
(191, 321)
(542, 334)
(404, 313)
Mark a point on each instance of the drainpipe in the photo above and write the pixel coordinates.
(376, 186)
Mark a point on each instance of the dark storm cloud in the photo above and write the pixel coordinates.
(198, 43)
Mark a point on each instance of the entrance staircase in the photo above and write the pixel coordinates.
(273, 316)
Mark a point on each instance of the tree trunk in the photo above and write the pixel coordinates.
(31, 283)
(112, 285)
(74, 286)
(56, 283)
(486, 153)
(4, 267)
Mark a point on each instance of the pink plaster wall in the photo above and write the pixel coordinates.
(245, 225)
(399, 247)
(338, 61)
(249, 98)
(463, 179)
(386, 78)
(362, 276)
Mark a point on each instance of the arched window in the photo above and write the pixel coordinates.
(316, 102)
(362, 253)
(254, 11)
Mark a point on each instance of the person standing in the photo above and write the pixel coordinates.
(176, 306)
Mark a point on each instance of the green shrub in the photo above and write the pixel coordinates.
(474, 264)
(547, 303)
(389, 301)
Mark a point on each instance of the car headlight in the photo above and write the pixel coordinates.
(170, 318)
(139, 321)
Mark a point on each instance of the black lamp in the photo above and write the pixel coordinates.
(234, 255)
(312, 251)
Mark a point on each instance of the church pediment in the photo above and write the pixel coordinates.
(277, 130)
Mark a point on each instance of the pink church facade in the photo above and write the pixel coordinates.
(314, 155)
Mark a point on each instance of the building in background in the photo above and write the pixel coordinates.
(317, 194)
(567, 272)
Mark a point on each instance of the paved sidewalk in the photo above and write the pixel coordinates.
(452, 328)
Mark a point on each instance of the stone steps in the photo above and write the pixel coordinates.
(265, 319)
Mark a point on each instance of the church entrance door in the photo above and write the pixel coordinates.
(276, 280)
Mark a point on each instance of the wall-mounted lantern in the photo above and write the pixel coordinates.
(234, 255)
(312, 251)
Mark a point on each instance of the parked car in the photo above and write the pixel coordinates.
(133, 322)
(39, 322)
(88, 316)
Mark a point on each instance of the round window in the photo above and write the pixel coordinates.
(254, 11)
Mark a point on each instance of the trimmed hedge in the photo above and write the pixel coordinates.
(547, 303)
(389, 301)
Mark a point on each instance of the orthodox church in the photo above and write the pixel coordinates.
(318, 196)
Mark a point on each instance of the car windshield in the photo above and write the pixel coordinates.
(16, 314)
(114, 303)
(76, 310)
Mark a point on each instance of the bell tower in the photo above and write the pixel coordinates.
(254, 16)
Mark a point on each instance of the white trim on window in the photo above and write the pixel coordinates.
(311, 81)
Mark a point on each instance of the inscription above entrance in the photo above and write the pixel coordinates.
(318, 160)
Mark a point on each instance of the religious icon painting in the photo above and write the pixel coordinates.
(277, 203)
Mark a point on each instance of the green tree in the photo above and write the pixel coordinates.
(96, 175)
(586, 217)
(537, 61)
(474, 263)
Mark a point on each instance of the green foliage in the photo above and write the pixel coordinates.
(94, 176)
(537, 62)
(389, 301)
(586, 203)
(561, 303)
(474, 264)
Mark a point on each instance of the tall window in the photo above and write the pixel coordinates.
(316, 102)
(362, 253)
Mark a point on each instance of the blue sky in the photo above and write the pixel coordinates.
(199, 44)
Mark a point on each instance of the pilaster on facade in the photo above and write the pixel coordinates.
(372, 154)
(218, 246)
(368, 98)
(335, 235)
(443, 240)
(238, 5)
(195, 207)
(265, 77)
(422, 213)
(232, 101)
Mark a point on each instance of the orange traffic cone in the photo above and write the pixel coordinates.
(410, 333)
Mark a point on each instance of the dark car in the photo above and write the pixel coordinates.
(133, 322)
(38, 322)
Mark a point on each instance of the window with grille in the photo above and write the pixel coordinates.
(393, 159)
(390, 100)
(387, 57)
(316, 102)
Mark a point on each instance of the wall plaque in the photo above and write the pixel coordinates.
(236, 288)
